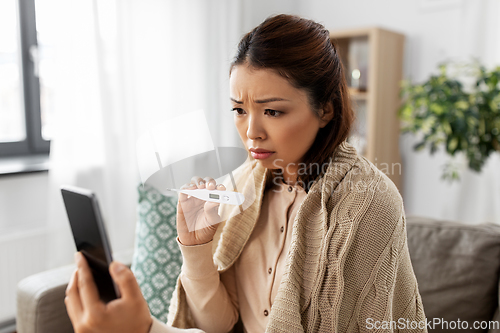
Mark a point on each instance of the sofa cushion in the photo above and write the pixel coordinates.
(157, 260)
(457, 269)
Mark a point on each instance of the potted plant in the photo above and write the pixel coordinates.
(447, 112)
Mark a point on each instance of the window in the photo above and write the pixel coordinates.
(25, 82)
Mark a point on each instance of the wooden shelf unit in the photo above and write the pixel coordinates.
(381, 98)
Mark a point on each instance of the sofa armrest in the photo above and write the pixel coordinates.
(40, 302)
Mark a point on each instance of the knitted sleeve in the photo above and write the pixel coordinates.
(392, 301)
(380, 290)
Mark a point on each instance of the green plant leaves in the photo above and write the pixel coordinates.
(463, 120)
(452, 145)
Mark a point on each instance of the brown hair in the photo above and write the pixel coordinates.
(301, 51)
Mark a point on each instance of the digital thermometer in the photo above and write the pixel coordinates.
(227, 197)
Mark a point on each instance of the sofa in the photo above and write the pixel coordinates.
(457, 268)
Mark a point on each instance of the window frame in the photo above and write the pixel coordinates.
(34, 143)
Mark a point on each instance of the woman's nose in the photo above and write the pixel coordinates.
(255, 129)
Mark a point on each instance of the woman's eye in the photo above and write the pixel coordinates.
(273, 113)
(238, 111)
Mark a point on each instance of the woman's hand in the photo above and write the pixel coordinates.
(88, 313)
(197, 219)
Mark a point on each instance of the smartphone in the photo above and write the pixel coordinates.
(90, 237)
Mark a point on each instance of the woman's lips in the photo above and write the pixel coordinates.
(261, 156)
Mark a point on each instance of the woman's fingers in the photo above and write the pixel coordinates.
(86, 285)
(127, 314)
(191, 221)
(212, 213)
(181, 218)
(125, 279)
(198, 181)
(188, 186)
(72, 299)
(209, 183)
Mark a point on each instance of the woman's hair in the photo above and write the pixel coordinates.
(301, 51)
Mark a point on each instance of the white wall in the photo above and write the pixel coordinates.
(23, 203)
(23, 219)
(445, 29)
(435, 30)
(256, 11)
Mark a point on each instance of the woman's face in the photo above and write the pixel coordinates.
(271, 114)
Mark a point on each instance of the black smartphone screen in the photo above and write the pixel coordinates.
(90, 237)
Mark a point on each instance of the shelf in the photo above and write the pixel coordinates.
(358, 95)
(373, 62)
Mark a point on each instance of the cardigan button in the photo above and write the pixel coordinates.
(270, 270)
(266, 313)
(290, 189)
(282, 229)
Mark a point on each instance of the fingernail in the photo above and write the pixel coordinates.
(118, 267)
(78, 257)
(201, 182)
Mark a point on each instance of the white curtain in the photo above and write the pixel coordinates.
(124, 66)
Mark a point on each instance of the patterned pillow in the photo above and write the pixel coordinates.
(157, 260)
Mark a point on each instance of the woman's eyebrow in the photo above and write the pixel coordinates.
(237, 102)
(262, 101)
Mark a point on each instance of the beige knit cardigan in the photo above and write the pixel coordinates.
(348, 264)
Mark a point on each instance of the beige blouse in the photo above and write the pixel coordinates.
(251, 284)
(348, 259)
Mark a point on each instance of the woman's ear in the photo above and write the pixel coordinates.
(326, 114)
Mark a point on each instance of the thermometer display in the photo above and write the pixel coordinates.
(226, 197)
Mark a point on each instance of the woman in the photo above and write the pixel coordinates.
(322, 245)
